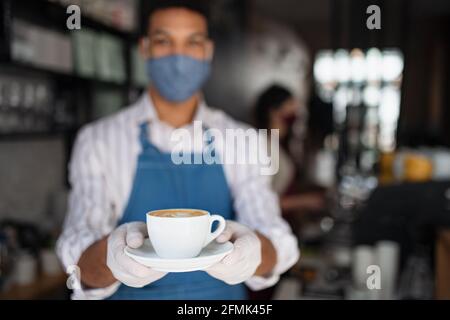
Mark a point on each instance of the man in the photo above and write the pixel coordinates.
(120, 169)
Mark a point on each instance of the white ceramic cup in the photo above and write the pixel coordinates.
(25, 269)
(182, 233)
(387, 257)
(50, 263)
(362, 258)
(441, 164)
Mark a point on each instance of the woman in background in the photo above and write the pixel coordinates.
(277, 108)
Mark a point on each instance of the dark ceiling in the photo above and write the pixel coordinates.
(294, 11)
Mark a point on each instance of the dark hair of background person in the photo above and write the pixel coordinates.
(270, 99)
(149, 7)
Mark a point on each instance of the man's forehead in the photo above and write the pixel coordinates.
(179, 32)
(177, 20)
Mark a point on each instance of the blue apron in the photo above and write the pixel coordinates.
(161, 184)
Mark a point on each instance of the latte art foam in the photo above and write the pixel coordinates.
(177, 213)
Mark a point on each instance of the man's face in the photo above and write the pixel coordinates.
(177, 31)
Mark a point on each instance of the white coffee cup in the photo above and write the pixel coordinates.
(441, 164)
(182, 233)
(387, 258)
(362, 258)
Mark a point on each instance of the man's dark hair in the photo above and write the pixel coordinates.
(150, 6)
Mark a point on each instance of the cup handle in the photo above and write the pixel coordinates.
(212, 235)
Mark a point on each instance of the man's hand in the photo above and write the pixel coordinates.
(125, 269)
(242, 263)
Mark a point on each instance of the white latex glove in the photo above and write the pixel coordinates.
(242, 262)
(125, 269)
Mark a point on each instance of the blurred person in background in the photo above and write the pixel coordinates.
(121, 168)
(277, 108)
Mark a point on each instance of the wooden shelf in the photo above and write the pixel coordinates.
(21, 136)
(53, 16)
(72, 77)
(40, 289)
(56, 17)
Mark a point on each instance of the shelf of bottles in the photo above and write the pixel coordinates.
(364, 88)
(53, 78)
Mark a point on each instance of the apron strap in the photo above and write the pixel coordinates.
(144, 135)
(144, 138)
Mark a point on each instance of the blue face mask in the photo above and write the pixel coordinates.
(178, 77)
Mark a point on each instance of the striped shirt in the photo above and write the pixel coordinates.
(101, 173)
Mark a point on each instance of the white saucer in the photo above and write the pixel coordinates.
(211, 254)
